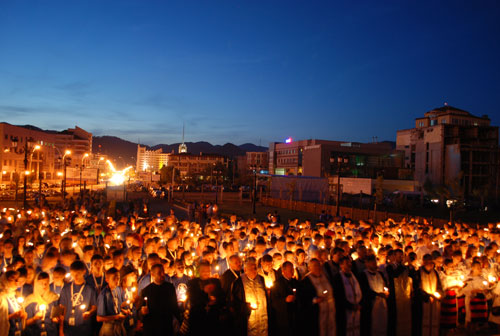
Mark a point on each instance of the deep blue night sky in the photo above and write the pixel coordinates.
(245, 71)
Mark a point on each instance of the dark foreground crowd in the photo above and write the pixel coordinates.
(87, 268)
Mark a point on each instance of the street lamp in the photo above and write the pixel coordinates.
(37, 148)
(339, 161)
(81, 170)
(27, 149)
(63, 186)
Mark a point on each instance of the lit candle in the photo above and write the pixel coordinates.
(294, 290)
(182, 297)
(67, 275)
(437, 295)
(386, 290)
(253, 305)
(325, 292)
(190, 273)
(461, 284)
(491, 279)
(193, 254)
(83, 307)
(20, 300)
(269, 283)
(42, 307)
(134, 289)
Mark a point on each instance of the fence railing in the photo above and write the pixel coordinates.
(350, 212)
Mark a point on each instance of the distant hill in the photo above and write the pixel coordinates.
(124, 152)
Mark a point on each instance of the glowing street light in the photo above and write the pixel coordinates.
(86, 155)
(66, 153)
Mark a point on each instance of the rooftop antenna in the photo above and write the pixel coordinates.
(183, 132)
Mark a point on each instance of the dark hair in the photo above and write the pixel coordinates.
(77, 265)
(43, 276)
(117, 253)
(112, 271)
(59, 270)
(96, 257)
(267, 258)
(160, 266)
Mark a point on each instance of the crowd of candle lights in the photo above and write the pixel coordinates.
(73, 226)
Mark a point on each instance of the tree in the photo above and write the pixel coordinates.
(166, 175)
(482, 192)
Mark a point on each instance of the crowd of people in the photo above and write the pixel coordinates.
(84, 267)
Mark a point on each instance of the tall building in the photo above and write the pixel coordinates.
(76, 140)
(448, 143)
(187, 163)
(150, 160)
(45, 150)
(318, 158)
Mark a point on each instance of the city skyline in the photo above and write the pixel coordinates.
(250, 72)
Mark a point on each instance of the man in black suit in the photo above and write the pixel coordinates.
(159, 305)
(231, 274)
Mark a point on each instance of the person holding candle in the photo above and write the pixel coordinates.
(96, 277)
(427, 300)
(316, 303)
(400, 294)
(452, 303)
(207, 304)
(374, 303)
(15, 311)
(79, 301)
(284, 305)
(348, 297)
(129, 285)
(266, 270)
(477, 291)
(180, 282)
(159, 304)
(249, 302)
(231, 274)
(111, 310)
(39, 307)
